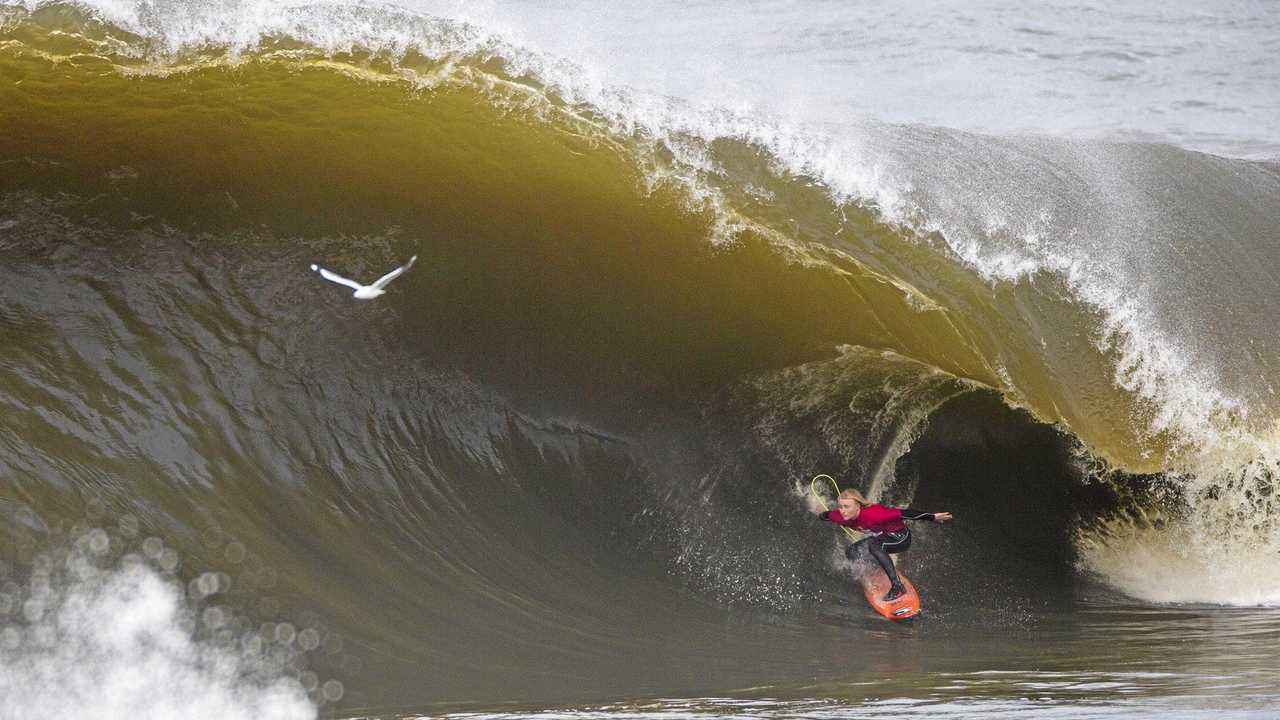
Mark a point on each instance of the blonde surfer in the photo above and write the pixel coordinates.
(887, 533)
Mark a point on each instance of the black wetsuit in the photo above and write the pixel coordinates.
(888, 534)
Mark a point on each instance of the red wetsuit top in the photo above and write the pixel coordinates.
(878, 519)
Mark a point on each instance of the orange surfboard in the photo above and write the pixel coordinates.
(875, 584)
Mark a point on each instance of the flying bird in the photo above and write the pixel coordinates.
(366, 292)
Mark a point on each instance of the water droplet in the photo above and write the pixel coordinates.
(309, 640)
(332, 690)
(214, 617)
(252, 644)
(309, 681)
(212, 538)
(234, 553)
(99, 542)
(169, 559)
(208, 583)
(152, 547)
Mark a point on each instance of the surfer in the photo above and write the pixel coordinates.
(887, 531)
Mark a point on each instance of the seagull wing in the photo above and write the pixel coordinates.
(337, 278)
(382, 281)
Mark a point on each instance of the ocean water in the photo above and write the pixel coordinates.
(674, 261)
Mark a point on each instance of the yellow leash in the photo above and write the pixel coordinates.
(813, 488)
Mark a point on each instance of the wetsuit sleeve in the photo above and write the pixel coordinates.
(910, 514)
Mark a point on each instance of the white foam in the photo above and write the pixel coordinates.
(120, 645)
(1181, 563)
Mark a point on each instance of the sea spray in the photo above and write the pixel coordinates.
(92, 632)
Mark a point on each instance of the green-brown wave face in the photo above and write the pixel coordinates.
(549, 215)
(606, 376)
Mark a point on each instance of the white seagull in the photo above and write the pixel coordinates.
(366, 292)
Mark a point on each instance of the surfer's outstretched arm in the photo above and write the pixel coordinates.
(911, 514)
(906, 514)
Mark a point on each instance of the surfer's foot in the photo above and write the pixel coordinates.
(894, 593)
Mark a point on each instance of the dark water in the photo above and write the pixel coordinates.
(561, 467)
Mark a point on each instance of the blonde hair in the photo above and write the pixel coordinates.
(851, 493)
